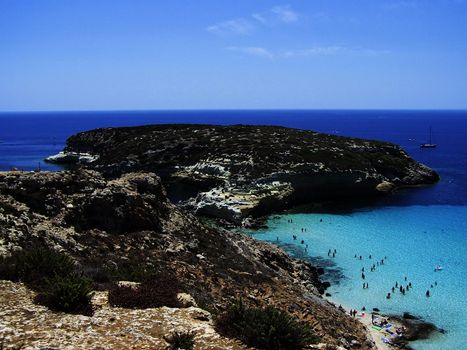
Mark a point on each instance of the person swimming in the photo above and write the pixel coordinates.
(388, 296)
(427, 293)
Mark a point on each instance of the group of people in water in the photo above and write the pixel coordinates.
(403, 288)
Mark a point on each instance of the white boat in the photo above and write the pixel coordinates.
(430, 143)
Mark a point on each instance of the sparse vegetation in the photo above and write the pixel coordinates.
(265, 328)
(155, 291)
(52, 275)
(181, 340)
(35, 265)
(69, 293)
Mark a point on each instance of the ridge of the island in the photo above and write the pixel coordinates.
(100, 257)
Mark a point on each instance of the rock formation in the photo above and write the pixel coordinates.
(103, 222)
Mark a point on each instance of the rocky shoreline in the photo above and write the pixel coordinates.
(112, 212)
(102, 223)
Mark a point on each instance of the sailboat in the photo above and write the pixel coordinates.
(430, 143)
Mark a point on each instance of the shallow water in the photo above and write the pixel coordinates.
(414, 239)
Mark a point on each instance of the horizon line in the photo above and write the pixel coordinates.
(238, 109)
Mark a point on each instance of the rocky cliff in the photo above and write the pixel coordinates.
(128, 222)
(238, 171)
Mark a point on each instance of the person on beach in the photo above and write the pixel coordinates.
(363, 269)
(388, 296)
(392, 289)
(294, 237)
(363, 275)
(329, 252)
(333, 255)
(369, 257)
(427, 293)
(410, 284)
(302, 241)
(360, 257)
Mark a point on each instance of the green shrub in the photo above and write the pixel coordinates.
(52, 275)
(67, 293)
(156, 291)
(265, 328)
(181, 340)
(35, 265)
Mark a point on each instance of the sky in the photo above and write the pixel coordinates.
(242, 54)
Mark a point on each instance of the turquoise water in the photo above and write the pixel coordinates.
(414, 239)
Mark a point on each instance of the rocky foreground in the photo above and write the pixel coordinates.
(236, 172)
(128, 222)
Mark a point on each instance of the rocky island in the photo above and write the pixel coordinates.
(236, 172)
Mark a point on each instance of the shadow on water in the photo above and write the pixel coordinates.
(332, 273)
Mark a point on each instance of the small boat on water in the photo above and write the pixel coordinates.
(438, 268)
(430, 143)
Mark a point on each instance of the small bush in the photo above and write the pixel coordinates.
(52, 275)
(156, 291)
(67, 293)
(265, 328)
(181, 340)
(35, 265)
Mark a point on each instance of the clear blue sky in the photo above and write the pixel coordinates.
(203, 54)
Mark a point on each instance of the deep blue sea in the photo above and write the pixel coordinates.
(415, 229)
